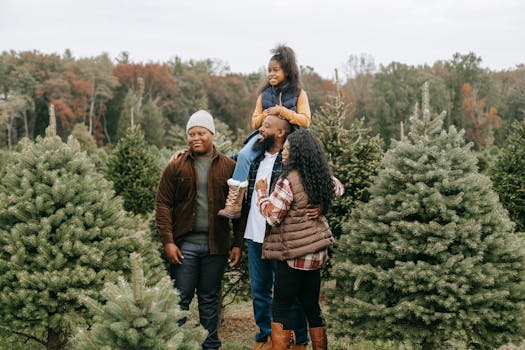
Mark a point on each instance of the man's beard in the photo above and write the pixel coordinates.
(264, 144)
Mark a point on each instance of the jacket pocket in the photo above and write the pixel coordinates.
(184, 188)
(220, 189)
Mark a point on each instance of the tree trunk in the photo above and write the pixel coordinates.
(26, 127)
(92, 107)
(9, 127)
(32, 124)
(427, 346)
(105, 128)
(53, 340)
(91, 111)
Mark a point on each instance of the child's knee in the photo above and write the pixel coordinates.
(245, 154)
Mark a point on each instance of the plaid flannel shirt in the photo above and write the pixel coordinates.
(274, 208)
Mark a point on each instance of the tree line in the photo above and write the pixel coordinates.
(106, 94)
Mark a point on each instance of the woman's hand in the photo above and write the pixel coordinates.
(261, 185)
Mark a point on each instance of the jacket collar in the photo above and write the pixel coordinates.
(215, 154)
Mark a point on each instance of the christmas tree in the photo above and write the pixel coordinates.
(134, 169)
(508, 175)
(353, 156)
(87, 142)
(139, 317)
(432, 258)
(63, 233)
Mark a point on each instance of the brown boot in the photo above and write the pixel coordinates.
(234, 199)
(267, 345)
(319, 338)
(281, 339)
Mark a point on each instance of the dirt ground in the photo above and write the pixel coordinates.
(238, 326)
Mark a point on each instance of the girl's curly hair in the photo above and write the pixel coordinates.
(306, 155)
(286, 58)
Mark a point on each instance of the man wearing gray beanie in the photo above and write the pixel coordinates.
(196, 240)
(203, 119)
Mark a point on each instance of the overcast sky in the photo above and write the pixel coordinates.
(323, 33)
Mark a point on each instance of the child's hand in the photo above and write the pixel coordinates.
(261, 185)
(275, 110)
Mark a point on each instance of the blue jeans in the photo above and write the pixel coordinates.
(245, 157)
(262, 273)
(202, 272)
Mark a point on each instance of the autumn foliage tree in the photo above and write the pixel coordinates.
(478, 120)
(95, 91)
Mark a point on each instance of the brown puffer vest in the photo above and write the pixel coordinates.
(297, 235)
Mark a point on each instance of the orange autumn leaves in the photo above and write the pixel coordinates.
(479, 120)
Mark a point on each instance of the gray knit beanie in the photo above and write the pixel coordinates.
(201, 118)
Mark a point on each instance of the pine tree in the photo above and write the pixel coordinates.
(176, 137)
(134, 169)
(507, 173)
(3, 156)
(62, 232)
(87, 142)
(432, 258)
(137, 316)
(225, 139)
(353, 157)
(152, 123)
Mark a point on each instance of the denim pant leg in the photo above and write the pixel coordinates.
(208, 294)
(185, 276)
(261, 279)
(200, 271)
(245, 158)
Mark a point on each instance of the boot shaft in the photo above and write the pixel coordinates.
(281, 339)
(236, 192)
(319, 338)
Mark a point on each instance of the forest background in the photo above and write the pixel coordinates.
(104, 94)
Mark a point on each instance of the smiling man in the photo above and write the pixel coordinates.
(196, 240)
(268, 166)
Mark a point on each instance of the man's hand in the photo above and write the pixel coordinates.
(173, 253)
(235, 256)
(339, 189)
(261, 185)
(313, 211)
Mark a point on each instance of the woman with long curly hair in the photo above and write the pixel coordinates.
(298, 243)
